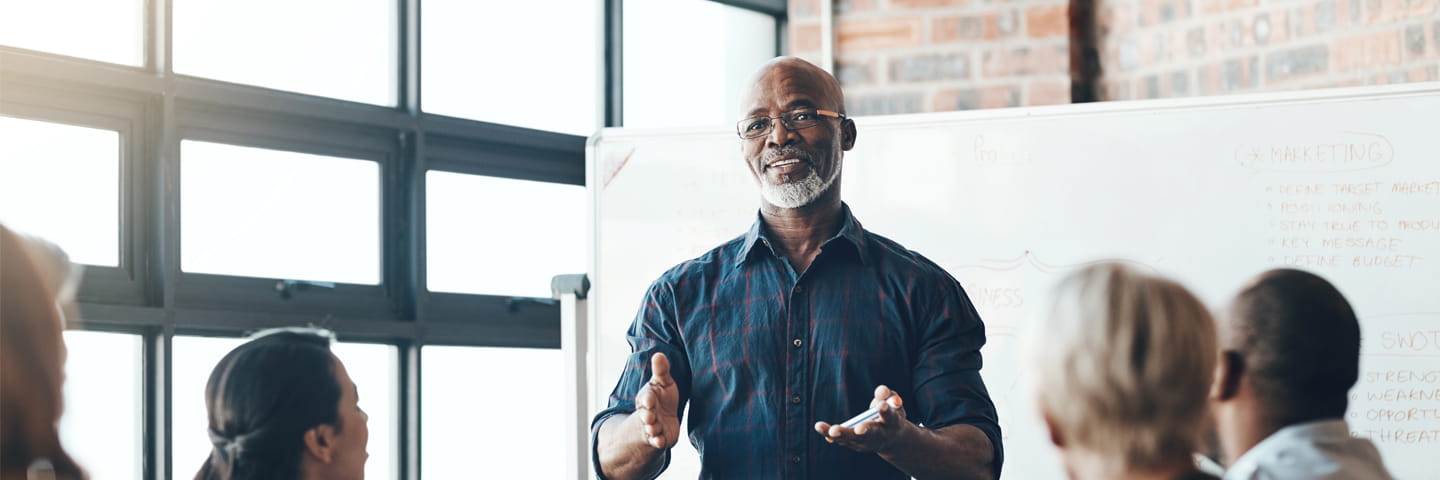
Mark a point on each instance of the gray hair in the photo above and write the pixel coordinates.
(1123, 365)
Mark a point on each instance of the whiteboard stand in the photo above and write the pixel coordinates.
(571, 290)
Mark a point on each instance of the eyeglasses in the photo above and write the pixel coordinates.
(756, 127)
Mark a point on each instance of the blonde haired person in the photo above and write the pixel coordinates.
(1123, 364)
(37, 287)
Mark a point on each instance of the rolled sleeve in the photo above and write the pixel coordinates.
(948, 386)
(653, 331)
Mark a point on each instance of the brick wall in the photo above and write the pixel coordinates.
(1176, 48)
(909, 56)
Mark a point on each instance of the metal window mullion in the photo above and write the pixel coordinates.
(156, 364)
(614, 55)
(408, 418)
(408, 63)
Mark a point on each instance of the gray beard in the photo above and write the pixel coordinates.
(797, 193)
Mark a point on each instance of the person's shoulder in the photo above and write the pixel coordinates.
(892, 257)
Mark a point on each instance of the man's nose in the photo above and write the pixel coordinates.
(780, 135)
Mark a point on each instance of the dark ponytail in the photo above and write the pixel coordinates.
(262, 398)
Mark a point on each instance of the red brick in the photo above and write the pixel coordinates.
(1026, 61)
(1116, 90)
(1366, 51)
(927, 3)
(1048, 93)
(1000, 96)
(1210, 79)
(1374, 12)
(805, 38)
(1422, 9)
(877, 33)
(1279, 26)
(1232, 5)
(1155, 12)
(960, 28)
(1424, 74)
(1116, 17)
(1047, 21)
(802, 9)
(851, 6)
(1211, 7)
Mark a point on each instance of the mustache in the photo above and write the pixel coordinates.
(787, 151)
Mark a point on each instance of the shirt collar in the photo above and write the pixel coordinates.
(850, 230)
(1261, 454)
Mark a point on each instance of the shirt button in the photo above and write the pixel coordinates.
(798, 343)
(795, 399)
(799, 289)
(794, 459)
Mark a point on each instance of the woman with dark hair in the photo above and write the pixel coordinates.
(37, 293)
(282, 407)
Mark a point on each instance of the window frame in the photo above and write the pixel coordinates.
(154, 109)
(23, 98)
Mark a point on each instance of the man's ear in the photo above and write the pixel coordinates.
(1228, 375)
(847, 134)
(1056, 437)
(320, 443)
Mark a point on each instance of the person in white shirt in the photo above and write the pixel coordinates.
(1290, 351)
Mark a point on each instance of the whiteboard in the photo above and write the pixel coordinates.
(1209, 191)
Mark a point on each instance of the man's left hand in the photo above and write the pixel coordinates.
(876, 434)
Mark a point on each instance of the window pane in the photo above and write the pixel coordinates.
(105, 30)
(274, 214)
(530, 63)
(342, 49)
(705, 73)
(103, 414)
(62, 182)
(464, 394)
(371, 367)
(193, 359)
(500, 236)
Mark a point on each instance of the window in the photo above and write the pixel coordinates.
(470, 394)
(528, 63)
(274, 214)
(512, 251)
(371, 367)
(343, 49)
(706, 73)
(193, 152)
(107, 30)
(192, 361)
(62, 182)
(101, 424)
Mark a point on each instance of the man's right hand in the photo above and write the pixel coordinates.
(656, 404)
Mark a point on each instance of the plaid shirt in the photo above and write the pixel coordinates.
(761, 355)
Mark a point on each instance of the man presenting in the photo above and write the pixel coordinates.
(806, 317)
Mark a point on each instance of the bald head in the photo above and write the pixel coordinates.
(789, 75)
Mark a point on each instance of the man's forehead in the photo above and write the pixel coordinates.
(760, 104)
(785, 94)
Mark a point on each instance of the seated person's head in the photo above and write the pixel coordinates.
(282, 407)
(1291, 352)
(37, 286)
(1122, 364)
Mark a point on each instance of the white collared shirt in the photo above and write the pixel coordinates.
(1319, 450)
